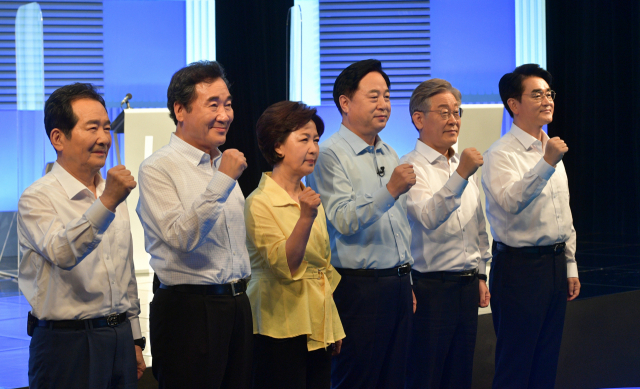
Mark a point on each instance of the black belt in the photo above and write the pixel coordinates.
(396, 271)
(231, 289)
(555, 249)
(462, 276)
(107, 321)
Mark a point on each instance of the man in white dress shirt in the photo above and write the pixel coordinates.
(534, 271)
(77, 268)
(449, 243)
(192, 211)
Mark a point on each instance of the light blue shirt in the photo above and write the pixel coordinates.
(367, 227)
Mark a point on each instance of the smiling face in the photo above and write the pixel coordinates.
(529, 113)
(299, 151)
(368, 111)
(436, 132)
(205, 124)
(84, 153)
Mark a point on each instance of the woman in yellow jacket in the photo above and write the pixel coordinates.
(295, 320)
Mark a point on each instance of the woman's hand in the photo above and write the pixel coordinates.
(337, 346)
(309, 203)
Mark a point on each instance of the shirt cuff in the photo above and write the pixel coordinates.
(99, 216)
(543, 169)
(383, 199)
(221, 184)
(482, 267)
(135, 327)
(572, 269)
(456, 184)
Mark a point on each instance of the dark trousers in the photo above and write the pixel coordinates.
(528, 303)
(200, 341)
(96, 358)
(376, 314)
(443, 337)
(287, 364)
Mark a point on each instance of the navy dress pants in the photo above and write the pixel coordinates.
(443, 337)
(376, 313)
(96, 358)
(528, 304)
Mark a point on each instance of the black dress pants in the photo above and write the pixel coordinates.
(376, 314)
(528, 304)
(201, 341)
(443, 337)
(287, 364)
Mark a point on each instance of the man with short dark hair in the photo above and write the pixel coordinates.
(77, 269)
(534, 271)
(192, 212)
(449, 242)
(362, 187)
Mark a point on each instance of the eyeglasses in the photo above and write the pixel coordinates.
(537, 96)
(445, 114)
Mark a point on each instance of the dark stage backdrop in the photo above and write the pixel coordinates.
(251, 45)
(593, 53)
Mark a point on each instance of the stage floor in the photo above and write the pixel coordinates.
(607, 264)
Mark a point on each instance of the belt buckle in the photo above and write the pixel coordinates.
(112, 320)
(233, 289)
(400, 269)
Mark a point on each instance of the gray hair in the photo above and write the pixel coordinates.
(421, 96)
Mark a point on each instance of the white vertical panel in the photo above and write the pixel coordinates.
(201, 30)
(304, 84)
(531, 35)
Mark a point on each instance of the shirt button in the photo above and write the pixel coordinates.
(459, 210)
(113, 282)
(398, 235)
(401, 255)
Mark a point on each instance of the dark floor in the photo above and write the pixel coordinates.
(608, 264)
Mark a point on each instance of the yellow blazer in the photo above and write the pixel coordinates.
(286, 305)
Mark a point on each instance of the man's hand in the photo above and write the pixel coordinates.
(485, 296)
(470, 161)
(309, 203)
(573, 288)
(232, 163)
(140, 365)
(415, 302)
(337, 346)
(554, 151)
(119, 184)
(402, 179)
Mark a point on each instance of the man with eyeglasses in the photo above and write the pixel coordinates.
(534, 272)
(449, 242)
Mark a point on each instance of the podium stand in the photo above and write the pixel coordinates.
(145, 131)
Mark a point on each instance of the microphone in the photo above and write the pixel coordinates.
(126, 100)
(381, 171)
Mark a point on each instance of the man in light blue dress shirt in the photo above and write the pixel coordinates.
(362, 187)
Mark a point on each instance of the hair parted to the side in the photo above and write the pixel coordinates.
(347, 82)
(421, 96)
(278, 121)
(182, 88)
(511, 86)
(58, 112)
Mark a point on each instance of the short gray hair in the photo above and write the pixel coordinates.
(421, 96)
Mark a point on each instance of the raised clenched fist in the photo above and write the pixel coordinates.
(470, 161)
(309, 203)
(402, 179)
(232, 163)
(119, 184)
(554, 151)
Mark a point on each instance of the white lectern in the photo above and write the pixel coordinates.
(145, 131)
